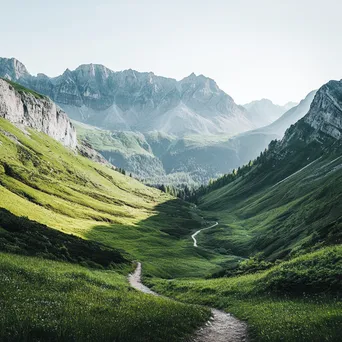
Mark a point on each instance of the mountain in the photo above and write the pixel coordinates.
(12, 69)
(290, 199)
(130, 100)
(287, 106)
(264, 112)
(190, 159)
(24, 107)
(249, 144)
(282, 216)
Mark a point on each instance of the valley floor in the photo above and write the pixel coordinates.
(272, 302)
(91, 222)
(221, 327)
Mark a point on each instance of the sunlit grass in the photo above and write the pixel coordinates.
(294, 301)
(54, 301)
(45, 182)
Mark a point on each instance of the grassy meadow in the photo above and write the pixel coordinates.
(70, 229)
(45, 182)
(298, 300)
(43, 300)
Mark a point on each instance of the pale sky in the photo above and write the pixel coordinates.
(253, 49)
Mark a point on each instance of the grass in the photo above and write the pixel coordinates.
(22, 236)
(297, 300)
(61, 206)
(54, 301)
(127, 143)
(45, 182)
(280, 220)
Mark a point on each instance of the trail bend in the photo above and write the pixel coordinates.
(222, 327)
(193, 236)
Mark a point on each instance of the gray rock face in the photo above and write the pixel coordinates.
(12, 69)
(325, 115)
(320, 129)
(40, 113)
(130, 100)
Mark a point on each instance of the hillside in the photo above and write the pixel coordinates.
(192, 159)
(289, 200)
(47, 183)
(282, 216)
(135, 101)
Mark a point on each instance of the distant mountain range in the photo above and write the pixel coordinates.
(157, 128)
(161, 158)
(264, 111)
(131, 100)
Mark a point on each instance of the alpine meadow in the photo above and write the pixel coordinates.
(136, 207)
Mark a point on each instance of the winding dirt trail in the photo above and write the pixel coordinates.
(222, 327)
(193, 235)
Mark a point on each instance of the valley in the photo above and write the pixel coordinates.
(262, 241)
(192, 131)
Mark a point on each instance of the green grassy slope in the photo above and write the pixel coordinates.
(49, 184)
(279, 208)
(295, 301)
(44, 300)
(159, 158)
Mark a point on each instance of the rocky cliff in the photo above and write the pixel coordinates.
(130, 100)
(24, 107)
(318, 133)
(323, 123)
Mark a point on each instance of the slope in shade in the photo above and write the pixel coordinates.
(290, 199)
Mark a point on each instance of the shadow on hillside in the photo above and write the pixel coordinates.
(162, 239)
(21, 235)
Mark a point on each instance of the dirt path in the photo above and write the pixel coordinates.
(193, 235)
(222, 327)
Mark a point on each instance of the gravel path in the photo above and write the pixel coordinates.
(193, 235)
(222, 327)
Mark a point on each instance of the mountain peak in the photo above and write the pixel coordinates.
(141, 101)
(325, 114)
(93, 69)
(14, 69)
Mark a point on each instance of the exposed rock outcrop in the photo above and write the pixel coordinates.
(23, 107)
(323, 122)
(131, 100)
(325, 115)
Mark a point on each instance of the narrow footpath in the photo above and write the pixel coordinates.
(222, 327)
(193, 236)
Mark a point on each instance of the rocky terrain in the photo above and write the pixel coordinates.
(131, 100)
(321, 127)
(26, 108)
